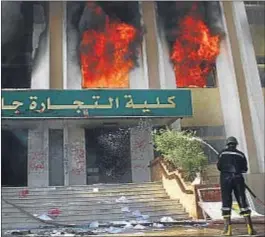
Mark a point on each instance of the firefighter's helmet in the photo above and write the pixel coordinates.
(231, 140)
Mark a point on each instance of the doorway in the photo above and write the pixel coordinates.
(14, 155)
(108, 155)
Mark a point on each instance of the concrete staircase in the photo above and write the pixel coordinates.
(83, 204)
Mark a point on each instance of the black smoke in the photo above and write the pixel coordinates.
(170, 14)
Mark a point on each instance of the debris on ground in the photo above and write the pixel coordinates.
(167, 219)
(122, 199)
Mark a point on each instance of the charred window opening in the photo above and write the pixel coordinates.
(110, 35)
(193, 32)
(17, 29)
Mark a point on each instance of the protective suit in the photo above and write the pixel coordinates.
(231, 164)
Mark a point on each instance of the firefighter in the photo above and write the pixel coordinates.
(231, 164)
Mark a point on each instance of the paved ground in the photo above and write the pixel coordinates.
(212, 230)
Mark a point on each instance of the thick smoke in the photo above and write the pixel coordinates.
(171, 13)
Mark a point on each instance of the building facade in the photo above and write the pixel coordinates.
(62, 48)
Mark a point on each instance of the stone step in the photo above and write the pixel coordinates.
(132, 206)
(129, 198)
(95, 215)
(108, 187)
(87, 202)
(24, 223)
(76, 194)
(84, 204)
(97, 209)
(81, 220)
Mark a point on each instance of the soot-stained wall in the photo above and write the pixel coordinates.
(19, 55)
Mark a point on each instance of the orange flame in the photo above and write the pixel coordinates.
(105, 55)
(194, 52)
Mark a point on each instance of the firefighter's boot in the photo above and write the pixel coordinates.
(250, 228)
(227, 226)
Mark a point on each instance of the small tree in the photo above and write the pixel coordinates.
(181, 150)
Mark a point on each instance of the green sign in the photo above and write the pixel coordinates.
(95, 103)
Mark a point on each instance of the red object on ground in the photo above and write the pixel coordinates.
(54, 212)
(24, 193)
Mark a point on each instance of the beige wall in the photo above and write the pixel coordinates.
(206, 108)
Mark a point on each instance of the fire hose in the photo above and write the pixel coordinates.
(247, 187)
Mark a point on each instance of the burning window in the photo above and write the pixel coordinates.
(193, 32)
(110, 39)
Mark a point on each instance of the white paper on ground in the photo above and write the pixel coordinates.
(94, 224)
(122, 199)
(44, 217)
(139, 227)
(137, 213)
(167, 219)
(125, 209)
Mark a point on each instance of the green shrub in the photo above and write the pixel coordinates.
(181, 151)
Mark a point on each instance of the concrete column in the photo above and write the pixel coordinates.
(74, 155)
(139, 75)
(56, 44)
(41, 49)
(38, 156)
(149, 20)
(229, 94)
(141, 153)
(166, 71)
(248, 82)
(72, 69)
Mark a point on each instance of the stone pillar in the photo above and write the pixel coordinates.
(38, 156)
(247, 82)
(56, 44)
(149, 20)
(74, 155)
(41, 49)
(72, 69)
(229, 94)
(142, 153)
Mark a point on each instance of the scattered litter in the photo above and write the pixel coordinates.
(122, 199)
(44, 217)
(158, 225)
(119, 222)
(136, 213)
(128, 226)
(133, 222)
(143, 222)
(55, 233)
(99, 231)
(167, 219)
(94, 224)
(113, 230)
(145, 217)
(139, 227)
(125, 209)
(95, 190)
